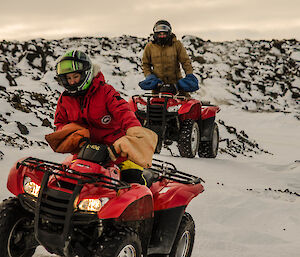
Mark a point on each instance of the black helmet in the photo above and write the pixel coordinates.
(162, 26)
(75, 61)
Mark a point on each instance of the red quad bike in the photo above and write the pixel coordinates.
(189, 122)
(81, 208)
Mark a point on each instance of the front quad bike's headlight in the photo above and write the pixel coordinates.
(141, 107)
(31, 187)
(93, 205)
(174, 108)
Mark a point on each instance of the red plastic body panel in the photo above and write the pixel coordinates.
(127, 204)
(132, 105)
(187, 106)
(173, 194)
(119, 206)
(190, 110)
(14, 180)
(16, 177)
(209, 111)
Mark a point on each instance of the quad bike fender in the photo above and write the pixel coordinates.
(166, 224)
(16, 177)
(133, 204)
(209, 111)
(175, 194)
(189, 106)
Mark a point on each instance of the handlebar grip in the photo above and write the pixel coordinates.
(112, 152)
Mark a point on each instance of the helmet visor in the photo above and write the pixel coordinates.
(68, 66)
(161, 28)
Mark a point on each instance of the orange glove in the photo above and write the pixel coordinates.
(68, 139)
(138, 145)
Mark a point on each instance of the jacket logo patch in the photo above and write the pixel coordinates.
(106, 119)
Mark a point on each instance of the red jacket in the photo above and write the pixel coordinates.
(102, 110)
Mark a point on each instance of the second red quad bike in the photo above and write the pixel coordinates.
(174, 117)
(81, 208)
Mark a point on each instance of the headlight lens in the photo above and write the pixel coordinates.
(141, 107)
(174, 108)
(93, 205)
(31, 187)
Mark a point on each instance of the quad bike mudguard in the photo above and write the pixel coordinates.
(190, 110)
(206, 123)
(165, 227)
(16, 177)
(170, 202)
(206, 127)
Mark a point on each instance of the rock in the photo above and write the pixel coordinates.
(23, 129)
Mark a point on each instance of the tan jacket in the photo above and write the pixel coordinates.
(164, 61)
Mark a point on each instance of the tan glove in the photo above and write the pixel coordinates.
(138, 145)
(68, 139)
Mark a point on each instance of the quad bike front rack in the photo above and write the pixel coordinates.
(61, 170)
(55, 208)
(156, 115)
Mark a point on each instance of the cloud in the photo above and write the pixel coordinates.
(213, 19)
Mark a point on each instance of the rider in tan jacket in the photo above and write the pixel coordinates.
(163, 56)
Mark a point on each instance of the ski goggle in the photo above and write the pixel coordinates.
(68, 66)
(161, 28)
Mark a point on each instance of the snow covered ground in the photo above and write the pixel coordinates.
(251, 205)
(242, 211)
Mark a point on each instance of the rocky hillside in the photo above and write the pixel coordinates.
(256, 76)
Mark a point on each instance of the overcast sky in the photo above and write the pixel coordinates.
(216, 20)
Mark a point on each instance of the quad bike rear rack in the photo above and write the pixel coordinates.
(168, 171)
(61, 170)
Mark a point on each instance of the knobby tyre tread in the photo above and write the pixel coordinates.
(111, 244)
(185, 140)
(10, 212)
(209, 149)
(187, 224)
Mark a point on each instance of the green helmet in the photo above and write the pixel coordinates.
(78, 62)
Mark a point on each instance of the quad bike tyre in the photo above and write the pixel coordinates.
(158, 146)
(209, 149)
(189, 138)
(15, 226)
(123, 243)
(184, 241)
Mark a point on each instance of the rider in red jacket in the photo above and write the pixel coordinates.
(101, 109)
(91, 108)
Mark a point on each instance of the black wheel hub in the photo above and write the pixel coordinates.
(19, 241)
